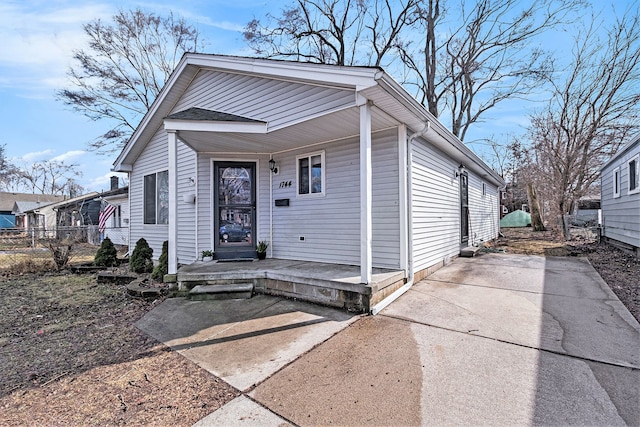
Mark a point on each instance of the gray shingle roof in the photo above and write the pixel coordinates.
(195, 113)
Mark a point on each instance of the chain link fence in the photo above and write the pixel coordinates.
(17, 244)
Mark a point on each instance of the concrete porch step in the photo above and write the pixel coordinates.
(217, 292)
(469, 251)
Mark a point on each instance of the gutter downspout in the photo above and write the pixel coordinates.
(407, 196)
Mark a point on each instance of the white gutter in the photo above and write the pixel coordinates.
(407, 225)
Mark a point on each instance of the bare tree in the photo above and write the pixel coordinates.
(8, 172)
(592, 112)
(50, 177)
(341, 32)
(482, 58)
(124, 68)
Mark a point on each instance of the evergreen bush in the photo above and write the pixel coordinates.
(107, 255)
(163, 263)
(141, 260)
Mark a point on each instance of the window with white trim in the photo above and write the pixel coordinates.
(616, 182)
(156, 198)
(310, 174)
(634, 174)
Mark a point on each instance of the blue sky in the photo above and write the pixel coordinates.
(38, 39)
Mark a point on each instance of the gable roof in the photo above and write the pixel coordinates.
(365, 83)
(624, 149)
(8, 199)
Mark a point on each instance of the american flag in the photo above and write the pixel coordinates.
(105, 214)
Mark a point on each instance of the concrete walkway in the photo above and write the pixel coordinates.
(492, 340)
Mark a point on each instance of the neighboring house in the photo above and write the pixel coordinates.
(327, 163)
(14, 205)
(117, 224)
(620, 198)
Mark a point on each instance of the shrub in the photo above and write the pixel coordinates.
(163, 263)
(141, 260)
(61, 251)
(107, 255)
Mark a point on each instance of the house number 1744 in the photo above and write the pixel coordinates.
(285, 184)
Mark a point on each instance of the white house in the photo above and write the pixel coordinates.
(328, 164)
(620, 198)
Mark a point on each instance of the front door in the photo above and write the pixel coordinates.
(234, 210)
(464, 209)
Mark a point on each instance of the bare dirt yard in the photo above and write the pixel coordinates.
(71, 355)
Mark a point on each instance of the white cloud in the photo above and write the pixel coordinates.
(38, 41)
(69, 155)
(37, 156)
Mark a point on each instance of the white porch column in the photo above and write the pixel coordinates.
(365, 194)
(172, 142)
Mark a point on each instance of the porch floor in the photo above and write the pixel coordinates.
(336, 285)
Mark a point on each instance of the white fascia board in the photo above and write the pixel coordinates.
(354, 77)
(118, 164)
(207, 126)
(625, 148)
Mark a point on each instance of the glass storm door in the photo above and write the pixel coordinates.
(464, 208)
(234, 210)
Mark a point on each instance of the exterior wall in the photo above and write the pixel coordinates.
(483, 211)
(119, 235)
(330, 225)
(153, 159)
(620, 215)
(435, 206)
(186, 209)
(275, 101)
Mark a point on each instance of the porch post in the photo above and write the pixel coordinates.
(365, 193)
(172, 141)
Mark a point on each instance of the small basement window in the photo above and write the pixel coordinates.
(310, 174)
(156, 198)
(634, 174)
(616, 182)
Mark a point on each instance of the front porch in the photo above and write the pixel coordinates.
(328, 284)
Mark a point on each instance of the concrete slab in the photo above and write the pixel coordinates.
(242, 341)
(386, 371)
(564, 308)
(244, 412)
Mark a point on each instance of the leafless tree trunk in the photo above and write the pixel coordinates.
(534, 207)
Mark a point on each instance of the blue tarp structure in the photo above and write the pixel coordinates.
(517, 218)
(7, 221)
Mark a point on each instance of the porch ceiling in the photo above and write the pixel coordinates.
(330, 127)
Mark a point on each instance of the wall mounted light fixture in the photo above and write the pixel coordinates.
(461, 170)
(273, 167)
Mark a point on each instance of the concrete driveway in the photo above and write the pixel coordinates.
(492, 340)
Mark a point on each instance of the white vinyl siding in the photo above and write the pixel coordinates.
(186, 210)
(153, 159)
(620, 213)
(483, 211)
(274, 101)
(435, 206)
(330, 225)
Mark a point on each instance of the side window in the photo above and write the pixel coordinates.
(616, 182)
(156, 198)
(634, 172)
(310, 174)
(484, 189)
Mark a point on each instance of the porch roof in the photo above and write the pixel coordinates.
(391, 106)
